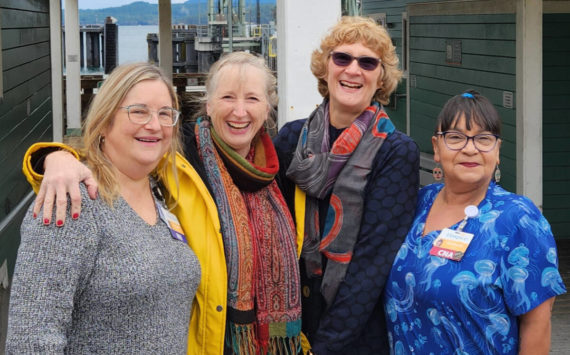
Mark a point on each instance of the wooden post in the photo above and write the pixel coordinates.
(111, 45)
(165, 36)
(82, 46)
(529, 99)
(72, 68)
(55, 34)
(93, 48)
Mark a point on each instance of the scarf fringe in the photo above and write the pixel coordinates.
(244, 342)
(284, 346)
(243, 339)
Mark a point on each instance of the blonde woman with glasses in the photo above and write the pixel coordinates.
(121, 279)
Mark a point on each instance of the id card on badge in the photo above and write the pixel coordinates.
(451, 244)
(172, 222)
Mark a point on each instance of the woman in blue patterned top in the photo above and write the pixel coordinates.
(478, 271)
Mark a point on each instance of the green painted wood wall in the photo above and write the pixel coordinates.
(488, 65)
(393, 10)
(25, 108)
(556, 122)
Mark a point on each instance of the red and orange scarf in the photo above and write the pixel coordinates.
(264, 304)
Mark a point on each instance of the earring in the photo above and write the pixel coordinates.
(497, 174)
(437, 173)
(101, 140)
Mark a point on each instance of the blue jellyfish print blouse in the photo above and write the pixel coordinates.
(439, 306)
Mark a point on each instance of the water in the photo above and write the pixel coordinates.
(132, 46)
(132, 43)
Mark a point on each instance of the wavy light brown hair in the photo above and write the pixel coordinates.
(102, 114)
(356, 29)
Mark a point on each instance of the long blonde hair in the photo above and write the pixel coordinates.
(356, 29)
(102, 113)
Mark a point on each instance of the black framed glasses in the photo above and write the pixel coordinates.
(343, 59)
(141, 114)
(484, 142)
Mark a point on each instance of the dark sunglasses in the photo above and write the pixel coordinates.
(343, 59)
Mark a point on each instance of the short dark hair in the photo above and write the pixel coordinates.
(476, 108)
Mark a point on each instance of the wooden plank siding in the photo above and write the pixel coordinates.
(556, 122)
(393, 10)
(488, 65)
(25, 109)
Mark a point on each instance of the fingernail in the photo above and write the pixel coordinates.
(75, 216)
(35, 215)
(59, 223)
(46, 221)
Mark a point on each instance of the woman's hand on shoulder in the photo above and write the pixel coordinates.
(62, 176)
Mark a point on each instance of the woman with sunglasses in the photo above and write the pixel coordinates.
(352, 179)
(121, 279)
(478, 271)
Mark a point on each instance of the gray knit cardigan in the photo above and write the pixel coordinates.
(107, 283)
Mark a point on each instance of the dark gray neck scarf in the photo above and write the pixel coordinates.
(344, 170)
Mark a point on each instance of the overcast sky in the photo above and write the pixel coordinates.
(99, 4)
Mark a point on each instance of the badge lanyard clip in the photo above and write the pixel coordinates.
(470, 212)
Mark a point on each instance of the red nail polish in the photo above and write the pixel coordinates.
(35, 215)
(59, 223)
(46, 221)
(75, 216)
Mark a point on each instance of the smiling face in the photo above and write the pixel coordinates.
(468, 166)
(135, 149)
(238, 106)
(351, 88)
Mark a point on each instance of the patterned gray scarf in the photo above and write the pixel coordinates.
(344, 170)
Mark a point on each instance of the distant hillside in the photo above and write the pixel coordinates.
(190, 12)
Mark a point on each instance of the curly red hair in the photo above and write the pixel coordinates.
(356, 29)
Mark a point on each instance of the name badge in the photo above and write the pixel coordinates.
(172, 222)
(451, 244)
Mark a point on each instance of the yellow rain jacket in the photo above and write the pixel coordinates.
(196, 210)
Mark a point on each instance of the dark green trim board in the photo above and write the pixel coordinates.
(556, 122)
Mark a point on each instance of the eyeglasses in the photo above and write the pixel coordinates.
(484, 142)
(141, 114)
(343, 59)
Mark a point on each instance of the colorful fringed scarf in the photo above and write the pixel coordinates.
(344, 169)
(264, 305)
